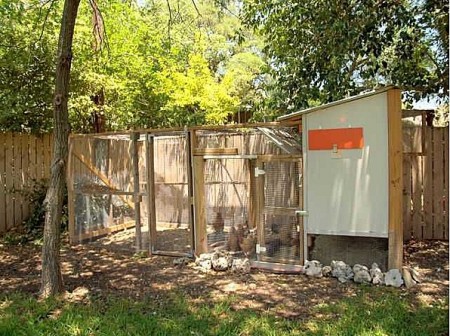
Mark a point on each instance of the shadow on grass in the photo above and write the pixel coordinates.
(381, 311)
(372, 312)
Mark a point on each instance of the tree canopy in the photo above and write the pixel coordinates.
(164, 63)
(324, 50)
(173, 63)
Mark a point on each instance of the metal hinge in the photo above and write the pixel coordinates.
(260, 249)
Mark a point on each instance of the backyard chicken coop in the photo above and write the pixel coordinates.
(188, 191)
(322, 183)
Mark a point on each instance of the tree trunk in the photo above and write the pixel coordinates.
(52, 283)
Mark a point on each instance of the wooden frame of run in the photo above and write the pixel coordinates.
(195, 171)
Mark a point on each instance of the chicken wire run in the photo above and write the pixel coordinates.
(188, 191)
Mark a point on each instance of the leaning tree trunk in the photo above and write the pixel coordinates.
(51, 270)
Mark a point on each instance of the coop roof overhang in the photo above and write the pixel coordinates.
(296, 116)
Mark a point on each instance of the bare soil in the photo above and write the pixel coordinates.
(109, 266)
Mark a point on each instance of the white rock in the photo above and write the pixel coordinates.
(393, 278)
(203, 256)
(358, 267)
(205, 265)
(341, 270)
(407, 278)
(313, 268)
(342, 279)
(221, 261)
(326, 271)
(362, 276)
(376, 274)
(241, 266)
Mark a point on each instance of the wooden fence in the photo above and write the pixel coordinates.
(23, 158)
(426, 182)
(26, 157)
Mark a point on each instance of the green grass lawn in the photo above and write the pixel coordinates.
(374, 311)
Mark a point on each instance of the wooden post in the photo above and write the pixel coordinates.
(70, 195)
(259, 206)
(301, 231)
(150, 158)
(395, 155)
(252, 202)
(201, 244)
(191, 140)
(137, 202)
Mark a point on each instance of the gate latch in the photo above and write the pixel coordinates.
(301, 212)
(259, 171)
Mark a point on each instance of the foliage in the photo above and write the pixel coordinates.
(33, 226)
(159, 67)
(26, 65)
(35, 193)
(175, 314)
(326, 50)
(441, 116)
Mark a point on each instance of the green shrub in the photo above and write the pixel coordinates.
(33, 226)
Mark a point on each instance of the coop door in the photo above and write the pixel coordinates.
(280, 231)
(170, 207)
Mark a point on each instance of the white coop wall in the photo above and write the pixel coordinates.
(347, 193)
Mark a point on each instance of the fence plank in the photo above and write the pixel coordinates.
(17, 179)
(438, 183)
(9, 181)
(40, 157)
(25, 173)
(32, 171)
(407, 194)
(2, 183)
(428, 186)
(417, 209)
(47, 148)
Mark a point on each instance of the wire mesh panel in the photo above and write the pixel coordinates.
(102, 184)
(227, 211)
(172, 207)
(281, 227)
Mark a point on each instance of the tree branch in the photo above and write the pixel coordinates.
(169, 23)
(52, 2)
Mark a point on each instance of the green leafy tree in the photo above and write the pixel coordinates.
(325, 50)
(28, 38)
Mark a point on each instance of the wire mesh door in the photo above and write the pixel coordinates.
(170, 226)
(226, 201)
(280, 234)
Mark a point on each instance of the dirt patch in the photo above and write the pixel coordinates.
(109, 266)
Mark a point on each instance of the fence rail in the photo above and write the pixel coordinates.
(25, 157)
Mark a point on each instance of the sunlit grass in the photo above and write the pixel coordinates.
(374, 311)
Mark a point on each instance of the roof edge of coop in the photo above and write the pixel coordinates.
(295, 116)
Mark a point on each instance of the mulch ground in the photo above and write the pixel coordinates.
(109, 266)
